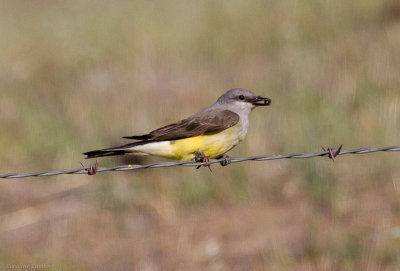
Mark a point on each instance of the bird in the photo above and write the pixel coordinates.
(207, 134)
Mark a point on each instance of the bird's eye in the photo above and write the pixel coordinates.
(241, 97)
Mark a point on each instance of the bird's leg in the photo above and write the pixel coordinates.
(201, 158)
(226, 161)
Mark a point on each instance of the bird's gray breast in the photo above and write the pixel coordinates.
(243, 110)
(242, 127)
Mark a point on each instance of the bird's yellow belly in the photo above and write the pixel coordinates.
(211, 145)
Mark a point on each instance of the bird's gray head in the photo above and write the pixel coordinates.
(243, 98)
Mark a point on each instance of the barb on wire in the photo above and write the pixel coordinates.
(91, 169)
(330, 152)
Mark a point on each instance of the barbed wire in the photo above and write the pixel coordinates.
(330, 152)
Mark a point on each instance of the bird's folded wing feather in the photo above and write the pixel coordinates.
(208, 122)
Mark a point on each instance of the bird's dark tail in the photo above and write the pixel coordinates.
(102, 153)
(113, 151)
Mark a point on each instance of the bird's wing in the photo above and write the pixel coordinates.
(210, 121)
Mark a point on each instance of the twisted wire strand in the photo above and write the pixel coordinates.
(84, 170)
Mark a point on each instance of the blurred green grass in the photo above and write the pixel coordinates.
(78, 75)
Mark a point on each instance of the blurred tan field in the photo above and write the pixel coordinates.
(78, 75)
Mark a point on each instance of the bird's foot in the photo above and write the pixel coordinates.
(226, 160)
(201, 158)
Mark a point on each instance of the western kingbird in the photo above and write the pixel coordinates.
(211, 132)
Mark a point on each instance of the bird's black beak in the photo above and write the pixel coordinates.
(260, 101)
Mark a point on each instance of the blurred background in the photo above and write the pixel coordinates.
(78, 75)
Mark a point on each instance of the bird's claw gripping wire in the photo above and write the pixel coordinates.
(201, 158)
(332, 152)
(92, 169)
(226, 160)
